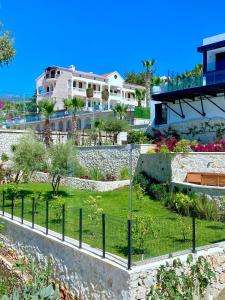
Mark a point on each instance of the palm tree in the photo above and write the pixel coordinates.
(74, 105)
(148, 65)
(121, 110)
(139, 95)
(99, 125)
(46, 107)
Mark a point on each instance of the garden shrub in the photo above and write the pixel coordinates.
(124, 173)
(186, 204)
(95, 174)
(206, 208)
(182, 146)
(173, 282)
(164, 150)
(158, 191)
(137, 137)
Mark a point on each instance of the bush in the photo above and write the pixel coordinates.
(137, 137)
(158, 191)
(164, 150)
(95, 174)
(206, 208)
(124, 173)
(182, 146)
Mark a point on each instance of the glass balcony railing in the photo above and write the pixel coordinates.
(176, 84)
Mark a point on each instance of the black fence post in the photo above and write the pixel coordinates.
(33, 206)
(3, 203)
(12, 208)
(22, 207)
(129, 263)
(103, 235)
(80, 227)
(63, 222)
(46, 217)
(193, 233)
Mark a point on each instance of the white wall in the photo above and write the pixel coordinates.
(190, 114)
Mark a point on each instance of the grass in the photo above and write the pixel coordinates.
(169, 227)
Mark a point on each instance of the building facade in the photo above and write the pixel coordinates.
(193, 99)
(60, 83)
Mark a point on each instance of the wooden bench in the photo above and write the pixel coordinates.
(201, 178)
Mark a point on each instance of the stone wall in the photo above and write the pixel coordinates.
(82, 184)
(175, 166)
(110, 159)
(89, 276)
(10, 137)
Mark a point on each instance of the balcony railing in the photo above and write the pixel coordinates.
(176, 84)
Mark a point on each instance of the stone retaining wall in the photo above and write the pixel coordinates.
(82, 184)
(110, 159)
(175, 166)
(107, 159)
(89, 276)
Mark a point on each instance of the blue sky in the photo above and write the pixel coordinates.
(102, 36)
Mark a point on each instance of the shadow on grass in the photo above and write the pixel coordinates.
(216, 227)
(49, 194)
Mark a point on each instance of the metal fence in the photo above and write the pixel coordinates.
(112, 237)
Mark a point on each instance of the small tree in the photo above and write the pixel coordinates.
(94, 211)
(140, 194)
(114, 127)
(62, 162)
(7, 51)
(28, 156)
(142, 228)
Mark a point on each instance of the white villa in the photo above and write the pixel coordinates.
(59, 83)
(183, 102)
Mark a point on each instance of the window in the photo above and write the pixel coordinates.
(115, 76)
(47, 89)
(53, 74)
(74, 84)
(94, 87)
(89, 85)
(80, 85)
(58, 72)
(160, 114)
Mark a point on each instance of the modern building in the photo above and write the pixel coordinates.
(59, 83)
(193, 100)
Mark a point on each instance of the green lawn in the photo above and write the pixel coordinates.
(168, 227)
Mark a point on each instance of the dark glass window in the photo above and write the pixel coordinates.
(74, 83)
(220, 61)
(160, 114)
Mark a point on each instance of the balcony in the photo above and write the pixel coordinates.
(177, 84)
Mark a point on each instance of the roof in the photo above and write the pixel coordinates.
(107, 74)
(211, 46)
(191, 93)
